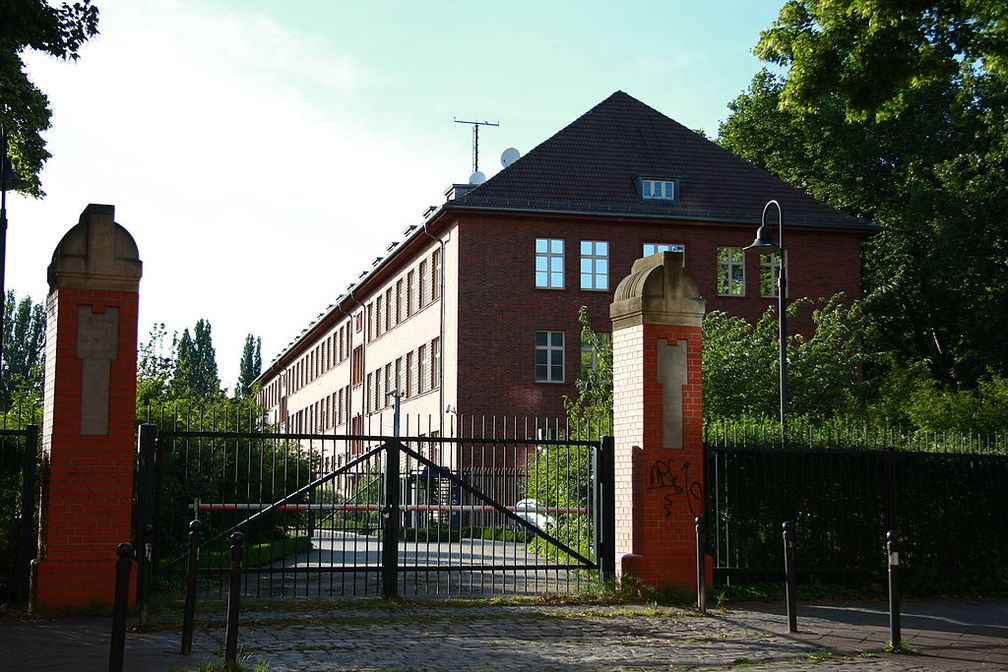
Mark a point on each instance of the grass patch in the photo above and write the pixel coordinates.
(258, 555)
(902, 648)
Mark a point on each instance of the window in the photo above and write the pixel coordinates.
(549, 356)
(730, 271)
(590, 354)
(400, 301)
(370, 393)
(655, 248)
(410, 374)
(594, 264)
(436, 263)
(435, 363)
(411, 293)
(658, 190)
(425, 283)
(549, 266)
(357, 366)
(769, 274)
(424, 369)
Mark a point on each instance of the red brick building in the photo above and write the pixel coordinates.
(475, 311)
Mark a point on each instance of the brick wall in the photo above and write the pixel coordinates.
(500, 308)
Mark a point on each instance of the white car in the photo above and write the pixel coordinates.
(528, 510)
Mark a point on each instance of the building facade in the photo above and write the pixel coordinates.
(475, 312)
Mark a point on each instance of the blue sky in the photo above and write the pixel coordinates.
(262, 153)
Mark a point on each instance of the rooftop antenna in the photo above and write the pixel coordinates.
(476, 125)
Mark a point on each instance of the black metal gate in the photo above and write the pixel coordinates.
(346, 515)
(19, 455)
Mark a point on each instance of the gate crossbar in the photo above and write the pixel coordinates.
(497, 506)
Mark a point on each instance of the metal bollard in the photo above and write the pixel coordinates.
(192, 566)
(231, 633)
(700, 573)
(124, 566)
(892, 548)
(789, 576)
(144, 567)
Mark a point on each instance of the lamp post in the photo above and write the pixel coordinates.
(765, 242)
(8, 180)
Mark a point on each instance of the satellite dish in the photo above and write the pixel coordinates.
(477, 178)
(509, 156)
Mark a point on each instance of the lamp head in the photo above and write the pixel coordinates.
(11, 180)
(765, 239)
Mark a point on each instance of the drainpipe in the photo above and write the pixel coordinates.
(441, 339)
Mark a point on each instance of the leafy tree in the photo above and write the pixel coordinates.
(155, 364)
(195, 373)
(24, 349)
(250, 366)
(877, 54)
(24, 109)
(936, 179)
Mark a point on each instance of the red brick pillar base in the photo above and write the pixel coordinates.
(657, 313)
(89, 413)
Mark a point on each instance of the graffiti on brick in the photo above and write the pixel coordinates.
(674, 476)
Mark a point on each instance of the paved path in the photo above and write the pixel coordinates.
(433, 636)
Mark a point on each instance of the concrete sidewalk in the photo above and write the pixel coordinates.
(431, 636)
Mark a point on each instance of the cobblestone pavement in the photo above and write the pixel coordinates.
(433, 636)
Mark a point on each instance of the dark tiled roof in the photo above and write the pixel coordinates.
(591, 166)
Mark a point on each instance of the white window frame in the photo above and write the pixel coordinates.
(553, 354)
(549, 263)
(770, 265)
(662, 247)
(727, 268)
(659, 190)
(594, 270)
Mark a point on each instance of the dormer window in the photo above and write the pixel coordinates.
(652, 189)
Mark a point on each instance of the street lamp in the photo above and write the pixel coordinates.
(765, 242)
(8, 180)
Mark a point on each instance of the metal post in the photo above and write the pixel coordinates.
(607, 508)
(144, 578)
(119, 605)
(144, 510)
(892, 548)
(28, 544)
(192, 566)
(231, 632)
(701, 574)
(782, 310)
(390, 533)
(789, 576)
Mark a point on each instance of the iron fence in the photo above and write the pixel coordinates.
(946, 494)
(19, 468)
(488, 506)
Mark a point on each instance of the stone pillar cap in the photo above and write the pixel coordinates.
(97, 253)
(657, 291)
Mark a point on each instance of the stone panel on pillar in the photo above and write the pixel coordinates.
(88, 413)
(657, 315)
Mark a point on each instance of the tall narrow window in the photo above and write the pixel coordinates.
(400, 300)
(436, 280)
(389, 308)
(435, 363)
(594, 264)
(412, 300)
(549, 362)
(549, 263)
(410, 376)
(357, 366)
(425, 283)
(424, 369)
(370, 393)
(730, 271)
(769, 276)
(590, 354)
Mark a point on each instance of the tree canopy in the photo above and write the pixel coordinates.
(24, 109)
(935, 178)
(24, 349)
(250, 366)
(195, 373)
(874, 54)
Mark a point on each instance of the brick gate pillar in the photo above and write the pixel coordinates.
(657, 313)
(89, 412)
